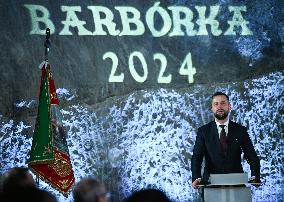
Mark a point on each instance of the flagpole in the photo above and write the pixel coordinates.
(46, 44)
(46, 50)
(50, 163)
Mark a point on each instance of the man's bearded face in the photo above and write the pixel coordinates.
(221, 114)
(220, 107)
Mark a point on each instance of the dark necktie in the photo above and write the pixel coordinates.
(223, 139)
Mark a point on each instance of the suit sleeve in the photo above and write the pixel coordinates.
(250, 154)
(197, 157)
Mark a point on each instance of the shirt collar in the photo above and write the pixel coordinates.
(218, 124)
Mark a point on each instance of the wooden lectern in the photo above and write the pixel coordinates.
(231, 187)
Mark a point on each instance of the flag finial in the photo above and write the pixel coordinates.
(47, 44)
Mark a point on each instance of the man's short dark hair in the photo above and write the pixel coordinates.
(88, 190)
(148, 195)
(15, 178)
(220, 93)
(30, 194)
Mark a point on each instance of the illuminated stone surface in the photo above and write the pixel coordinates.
(146, 138)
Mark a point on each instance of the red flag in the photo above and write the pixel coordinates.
(49, 156)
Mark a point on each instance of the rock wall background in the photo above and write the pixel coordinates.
(78, 60)
(146, 138)
(134, 135)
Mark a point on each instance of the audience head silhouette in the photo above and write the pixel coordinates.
(148, 195)
(90, 190)
(28, 194)
(17, 177)
(19, 185)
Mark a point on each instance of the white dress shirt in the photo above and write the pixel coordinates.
(219, 128)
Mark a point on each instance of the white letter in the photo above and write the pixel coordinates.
(112, 76)
(167, 22)
(187, 69)
(107, 21)
(73, 21)
(162, 78)
(132, 69)
(202, 21)
(178, 22)
(43, 18)
(126, 21)
(238, 20)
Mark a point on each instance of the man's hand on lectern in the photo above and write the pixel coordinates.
(254, 181)
(196, 183)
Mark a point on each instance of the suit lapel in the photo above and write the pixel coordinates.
(230, 134)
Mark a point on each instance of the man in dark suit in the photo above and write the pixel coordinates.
(222, 142)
